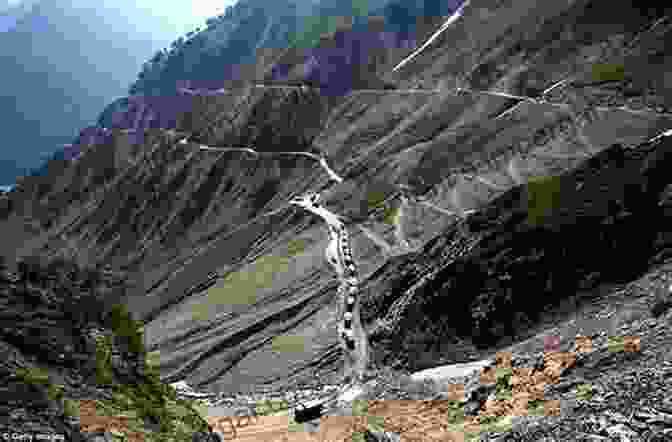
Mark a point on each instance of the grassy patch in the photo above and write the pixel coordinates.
(503, 383)
(390, 215)
(104, 360)
(320, 25)
(535, 407)
(33, 376)
(295, 427)
(178, 419)
(55, 392)
(296, 247)
(125, 327)
(375, 199)
(148, 399)
(616, 344)
(71, 407)
(152, 360)
(490, 424)
(288, 343)
(240, 288)
(455, 413)
(271, 407)
(584, 392)
(543, 194)
(608, 72)
(40, 377)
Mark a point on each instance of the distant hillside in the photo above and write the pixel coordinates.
(252, 28)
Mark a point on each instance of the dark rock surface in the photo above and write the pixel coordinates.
(53, 362)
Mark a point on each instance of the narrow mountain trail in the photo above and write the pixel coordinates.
(512, 169)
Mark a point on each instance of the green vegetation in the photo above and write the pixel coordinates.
(71, 407)
(287, 343)
(124, 326)
(503, 383)
(616, 344)
(147, 396)
(55, 392)
(240, 288)
(375, 199)
(149, 399)
(314, 27)
(271, 407)
(152, 360)
(390, 215)
(536, 407)
(156, 401)
(542, 196)
(490, 424)
(584, 392)
(608, 72)
(295, 427)
(104, 360)
(319, 25)
(296, 247)
(373, 423)
(38, 376)
(33, 376)
(376, 423)
(455, 413)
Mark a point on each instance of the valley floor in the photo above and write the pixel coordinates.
(612, 347)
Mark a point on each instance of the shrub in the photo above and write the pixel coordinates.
(71, 407)
(296, 246)
(608, 72)
(39, 377)
(374, 199)
(503, 383)
(104, 360)
(584, 392)
(33, 376)
(542, 195)
(535, 407)
(125, 327)
(390, 215)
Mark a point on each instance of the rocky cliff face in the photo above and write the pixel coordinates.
(73, 364)
(462, 223)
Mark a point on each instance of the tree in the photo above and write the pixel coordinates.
(158, 56)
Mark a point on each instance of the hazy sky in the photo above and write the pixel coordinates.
(175, 16)
(162, 18)
(63, 61)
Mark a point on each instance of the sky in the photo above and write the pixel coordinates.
(63, 61)
(156, 16)
(171, 18)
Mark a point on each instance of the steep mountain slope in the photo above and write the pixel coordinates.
(73, 365)
(171, 214)
(61, 64)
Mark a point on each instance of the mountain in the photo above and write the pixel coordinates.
(62, 62)
(254, 31)
(72, 348)
(206, 57)
(465, 227)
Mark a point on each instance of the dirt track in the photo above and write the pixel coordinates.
(415, 420)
